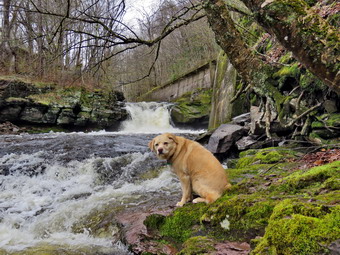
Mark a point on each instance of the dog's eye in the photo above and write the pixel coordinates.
(166, 143)
(156, 144)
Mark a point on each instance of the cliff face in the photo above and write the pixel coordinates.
(25, 103)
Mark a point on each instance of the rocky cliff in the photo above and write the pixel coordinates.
(27, 104)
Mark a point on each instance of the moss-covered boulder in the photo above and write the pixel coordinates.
(192, 108)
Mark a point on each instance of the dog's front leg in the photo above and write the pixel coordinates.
(186, 190)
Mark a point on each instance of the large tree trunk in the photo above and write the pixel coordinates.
(301, 30)
(7, 57)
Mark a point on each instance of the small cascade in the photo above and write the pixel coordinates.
(148, 117)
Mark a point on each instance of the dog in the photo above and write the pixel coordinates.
(196, 167)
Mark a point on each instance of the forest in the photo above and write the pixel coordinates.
(286, 53)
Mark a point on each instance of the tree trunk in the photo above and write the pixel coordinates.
(7, 57)
(301, 30)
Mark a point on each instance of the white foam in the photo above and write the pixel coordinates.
(43, 208)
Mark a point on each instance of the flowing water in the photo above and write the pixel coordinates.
(50, 183)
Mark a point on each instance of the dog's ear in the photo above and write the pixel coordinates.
(151, 145)
(173, 137)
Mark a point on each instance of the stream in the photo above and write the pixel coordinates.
(50, 182)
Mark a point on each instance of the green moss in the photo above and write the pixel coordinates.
(300, 228)
(314, 177)
(290, 71)
(154, 221)
(197, 245)
(264, 156)
(180, 225)
(240, 217)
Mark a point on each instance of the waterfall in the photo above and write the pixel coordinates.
(148, 117)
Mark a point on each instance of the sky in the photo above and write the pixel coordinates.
(135, 8)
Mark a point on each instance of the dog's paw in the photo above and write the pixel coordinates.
(199, 200)
(180, 204)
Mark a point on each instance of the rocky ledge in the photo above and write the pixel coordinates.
(26, 104)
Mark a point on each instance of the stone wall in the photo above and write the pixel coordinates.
(201, 77)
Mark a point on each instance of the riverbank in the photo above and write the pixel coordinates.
(283, 201)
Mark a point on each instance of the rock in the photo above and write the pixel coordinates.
(224, 137)
(232, 248)
(335, 247)
(192, 109)
(9, 128)
(23, 103)
(242, 120)
(33, 114)
(135, 233)
(10, 113)
(66, 117)
(257, 125)
(246, 142)
(330, 106)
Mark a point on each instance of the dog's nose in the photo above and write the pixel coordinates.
(160, 150)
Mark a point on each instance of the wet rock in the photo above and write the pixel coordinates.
(135, 233)
(9, 128)
(224, 137)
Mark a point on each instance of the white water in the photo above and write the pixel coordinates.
(51, 182)
(43, 209)
(151, 118)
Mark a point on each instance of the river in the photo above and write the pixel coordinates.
(50, 183)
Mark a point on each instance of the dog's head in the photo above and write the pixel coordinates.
(164, 145)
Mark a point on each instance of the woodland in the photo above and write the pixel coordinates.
(286, 53)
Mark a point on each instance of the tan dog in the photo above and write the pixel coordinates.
(196, 167)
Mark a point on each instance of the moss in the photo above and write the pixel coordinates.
(314, 176)
(197, 245)
(290, 71)
(264, 156)
(100, 222)
(300, 228)
(180, 225)
(247, 216)
(154, 221)
(192, 105)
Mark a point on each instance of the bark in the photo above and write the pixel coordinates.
(230, 40)
(5, 47)
(313, 41)
(248, 65)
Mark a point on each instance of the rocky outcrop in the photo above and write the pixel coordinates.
(192, 109)
(23, 103)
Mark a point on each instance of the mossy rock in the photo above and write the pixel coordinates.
(197, 245)
(264, 156)
(314, 179)
(192, 107)
(100, 222)
(300, 228)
